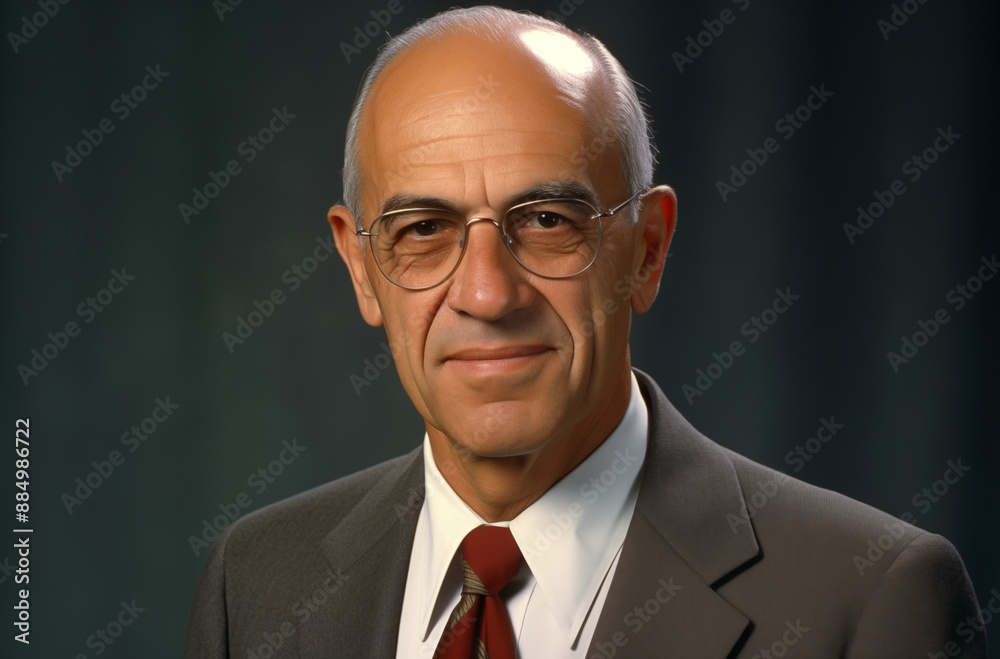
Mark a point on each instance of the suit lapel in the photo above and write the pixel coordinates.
(371, 548)
(690, 530)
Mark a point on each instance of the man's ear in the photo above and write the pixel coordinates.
(350, 247)
(657, 219)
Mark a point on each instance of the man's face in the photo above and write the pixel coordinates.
(495, 358)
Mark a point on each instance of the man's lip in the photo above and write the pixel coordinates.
(482, 354)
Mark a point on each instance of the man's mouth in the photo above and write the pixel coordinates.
(496, 360)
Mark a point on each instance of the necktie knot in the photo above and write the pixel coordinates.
(479, 627)
(493, 558)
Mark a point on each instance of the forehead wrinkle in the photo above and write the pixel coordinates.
(420, 148)
(513, 150)
(497, 115)
(503, 134)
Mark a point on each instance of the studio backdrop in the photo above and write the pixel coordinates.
(184, 344)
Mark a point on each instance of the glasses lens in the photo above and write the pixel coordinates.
(554, 238)
(418, 248)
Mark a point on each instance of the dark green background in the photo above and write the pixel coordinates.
(163, 335)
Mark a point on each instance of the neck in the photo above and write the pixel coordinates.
(500, 488)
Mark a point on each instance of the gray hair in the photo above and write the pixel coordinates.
(624, 118)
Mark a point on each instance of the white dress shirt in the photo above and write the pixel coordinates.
(570, 538)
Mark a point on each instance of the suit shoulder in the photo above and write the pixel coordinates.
(313, 513)
(867, 581)
(280, 563)
(809, 527)
(778, 502)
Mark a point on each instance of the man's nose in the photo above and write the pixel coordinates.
(489, 282)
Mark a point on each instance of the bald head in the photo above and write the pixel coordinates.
(490, 65)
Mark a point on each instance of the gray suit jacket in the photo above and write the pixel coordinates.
(723, 558)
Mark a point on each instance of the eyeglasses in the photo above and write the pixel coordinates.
(418, 248)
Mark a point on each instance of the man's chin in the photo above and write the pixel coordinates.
(502, 429)
(498, 447)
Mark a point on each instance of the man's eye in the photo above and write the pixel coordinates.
(545, 220)
(413, 228)
(425, 228)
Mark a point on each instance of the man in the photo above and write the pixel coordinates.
(500, 223)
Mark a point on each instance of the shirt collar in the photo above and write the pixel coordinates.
(569, 536)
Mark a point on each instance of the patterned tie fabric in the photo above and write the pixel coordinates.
(479, 627)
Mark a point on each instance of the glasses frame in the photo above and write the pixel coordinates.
(507, 240)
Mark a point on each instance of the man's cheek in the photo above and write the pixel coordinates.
(398, 342)
(606, 309)
(397, 346)
(594, 325)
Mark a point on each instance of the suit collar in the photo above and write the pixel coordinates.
(389, 505)
(691, 494)
(690, 530)
(371, 547)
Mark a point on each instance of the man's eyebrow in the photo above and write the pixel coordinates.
(547, 190)
(556, 190)
(403, 201)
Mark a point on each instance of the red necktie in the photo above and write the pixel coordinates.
(479, 627)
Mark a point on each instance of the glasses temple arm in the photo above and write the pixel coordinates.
(609, 213)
